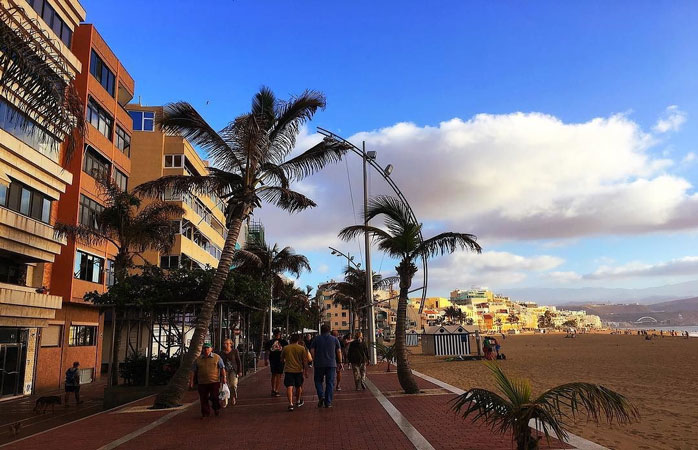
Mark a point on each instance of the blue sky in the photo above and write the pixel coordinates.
(384, 63)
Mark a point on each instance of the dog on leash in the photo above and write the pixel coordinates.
(14, 428)
(42, 403)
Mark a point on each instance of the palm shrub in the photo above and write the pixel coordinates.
(401, 240)
(131, 230)
(251, 165)
(385, 353)
(514, 411)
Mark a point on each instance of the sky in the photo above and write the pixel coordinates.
(562, 134)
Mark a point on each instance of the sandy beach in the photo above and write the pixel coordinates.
(660, 377)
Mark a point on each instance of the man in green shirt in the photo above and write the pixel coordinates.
(295, 358)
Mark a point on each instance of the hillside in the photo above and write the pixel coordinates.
(675, 312)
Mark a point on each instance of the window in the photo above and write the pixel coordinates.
(89, 212)
(143, 120)
(12, 272)
(120, 179)
(169, 262)
(110, 272)
(99, 118)
(27, 201)
(51, 336)
(123, 141)
(102, 73)
(344, 323)
(53, 20)
(95, 164)
(22, 127)
(174, 160)
(344, 314)
(88, 267)
(82, 335)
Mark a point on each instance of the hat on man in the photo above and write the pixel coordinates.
(207, 344)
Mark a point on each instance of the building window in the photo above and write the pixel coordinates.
(110, 272)
(344, 323)
(88, 267)
(120, 179)
(99, 118)
(51, 336)
(82, 336)
(169, 262)
(27, 201)
(174, 161)
(123, 141)
(344, 314)
(53, 20)
(143, 120)
(102, 73)
(95, 164)
(89, 212)
(28, 131)
(12, 272)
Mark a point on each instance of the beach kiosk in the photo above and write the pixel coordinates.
(449, 340)
(412, 338)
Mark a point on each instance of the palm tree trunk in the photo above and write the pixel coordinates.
(261, 333)
(172, 395)
(118, 327)
(404, 373)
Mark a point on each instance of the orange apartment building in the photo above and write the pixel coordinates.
(105, 88)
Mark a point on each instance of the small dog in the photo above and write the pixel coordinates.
(42, 403)
(14, 428)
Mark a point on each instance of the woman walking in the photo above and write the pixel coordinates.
(358, 357)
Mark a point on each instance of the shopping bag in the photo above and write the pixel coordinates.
(224, 394)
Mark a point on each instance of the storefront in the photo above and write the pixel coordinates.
(17, 346)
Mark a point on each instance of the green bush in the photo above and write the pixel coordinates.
(132, 370)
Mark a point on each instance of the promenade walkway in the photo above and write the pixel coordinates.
(381, 417)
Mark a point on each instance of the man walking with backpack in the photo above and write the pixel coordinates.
(327, 355)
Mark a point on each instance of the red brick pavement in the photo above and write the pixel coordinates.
(258, 421)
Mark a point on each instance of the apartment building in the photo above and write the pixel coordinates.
(104, 89)
(333, 314)
(201, 229)
(32, 180)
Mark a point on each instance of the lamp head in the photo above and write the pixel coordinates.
(371, 154)
(388, 170)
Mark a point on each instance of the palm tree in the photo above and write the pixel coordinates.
(269, 264)
(131, 230)
(351, 293)
(513, 318)
(514, 411)
(402, 241)
(294, 300)
(251, 167)
(453, 313)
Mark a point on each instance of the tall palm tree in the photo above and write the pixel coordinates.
(251, 166)
(402, 241)
(131, 230)
(295, 302)
(514, 411)
(351, 293)
(270, 264)
(453, 313)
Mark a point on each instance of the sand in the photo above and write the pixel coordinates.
(660, 377)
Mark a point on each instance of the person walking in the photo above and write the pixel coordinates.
(273, 351)
(358, 358)
(233, 368)
(72, 383)
(338, 387)
(327, 356)
(295, 359)
(208, 371)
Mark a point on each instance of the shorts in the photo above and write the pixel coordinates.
(69, 388)
(276, 367)
(293, 379)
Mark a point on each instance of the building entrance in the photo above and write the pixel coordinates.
(13, 359)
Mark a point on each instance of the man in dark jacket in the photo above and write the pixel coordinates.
(358, 358)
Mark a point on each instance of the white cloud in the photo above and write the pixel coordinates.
(690, 157)
(671, 120)
(676, 267)
(324, 268)
(564, 277)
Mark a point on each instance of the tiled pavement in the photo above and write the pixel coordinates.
(258, 421)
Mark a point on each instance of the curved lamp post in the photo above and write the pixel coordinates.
(370, 158)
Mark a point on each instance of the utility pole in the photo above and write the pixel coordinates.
(369, 273)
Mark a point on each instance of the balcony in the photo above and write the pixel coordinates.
(22, 306)
(29, 237)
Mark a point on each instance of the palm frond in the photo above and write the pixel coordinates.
(354, 231)
(286, 199)
(263, 106)
(518, 391)
(396, 212)
(245, 259)
(481, 404)
(81, 233)
(315, 159)
(218, 183)
(182, 119)
(290, 115)
(448, 243)
(286, 260)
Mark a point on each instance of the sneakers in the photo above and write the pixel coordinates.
(275, 394)
(290, 408)
(339, 388)
(321, 403)
(300, 403)
(328, 405)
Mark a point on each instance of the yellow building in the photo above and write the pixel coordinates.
(201, 229)
(333, 314)
(32, 179)
(431, 302)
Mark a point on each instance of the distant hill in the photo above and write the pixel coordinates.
(646, 296)
(674, 312)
